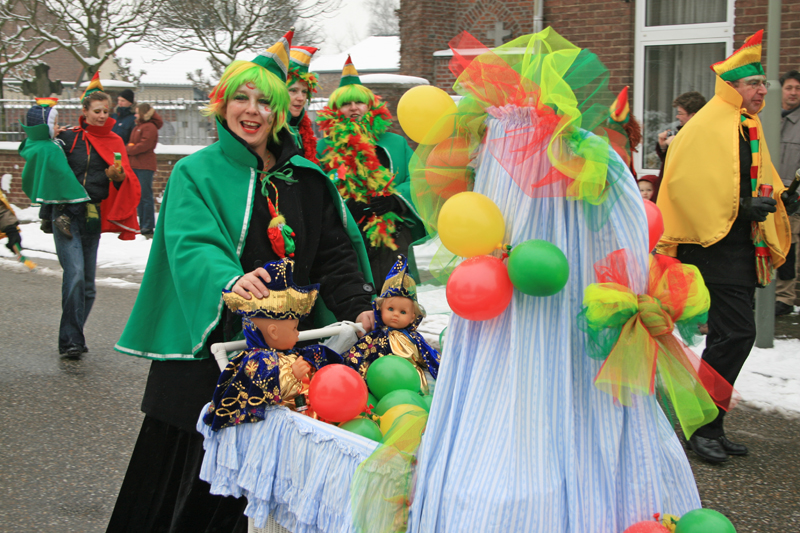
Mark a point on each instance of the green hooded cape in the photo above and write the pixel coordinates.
(46, 176)
(197, 243)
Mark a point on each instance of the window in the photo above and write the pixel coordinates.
(676, 43)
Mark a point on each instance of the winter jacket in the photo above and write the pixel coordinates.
(126, 121)
(790, 145)
(141, 147)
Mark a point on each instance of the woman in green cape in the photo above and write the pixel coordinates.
(248, 199)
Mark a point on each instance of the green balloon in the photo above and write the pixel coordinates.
(389, 373)
(399, 397)
(704, 521)
(538, 268)
(364, 427)
(428, 399)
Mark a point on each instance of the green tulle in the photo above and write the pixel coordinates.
(380, 492)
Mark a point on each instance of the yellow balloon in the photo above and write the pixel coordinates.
(471, 224)
(426, 114)
(396, 412)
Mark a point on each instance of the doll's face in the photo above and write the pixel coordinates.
(280, 334)
(397, 312)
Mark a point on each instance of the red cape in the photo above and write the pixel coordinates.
(118, 211)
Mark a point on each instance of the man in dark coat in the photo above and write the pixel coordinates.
(126, 120)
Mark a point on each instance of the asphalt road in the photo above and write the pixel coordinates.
(68, 428)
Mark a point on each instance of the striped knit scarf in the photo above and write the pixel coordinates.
(763, 257)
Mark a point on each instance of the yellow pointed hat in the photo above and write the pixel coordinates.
(349, 74)
(93, 87)
(299, 61)
(276, 58)
(621, 109)
(744, 62)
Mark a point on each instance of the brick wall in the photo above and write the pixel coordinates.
(428, 25)
(12, 163)
(607, 28)
(751, 16)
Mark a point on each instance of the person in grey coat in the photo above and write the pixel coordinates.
(785, 294)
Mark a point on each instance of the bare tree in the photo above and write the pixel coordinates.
(383, 17)
(92, 30)
(19, 48)
(225, 28)
(125, 72)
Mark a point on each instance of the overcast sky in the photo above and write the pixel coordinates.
(346, 28)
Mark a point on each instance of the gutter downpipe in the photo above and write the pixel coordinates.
(538, 16)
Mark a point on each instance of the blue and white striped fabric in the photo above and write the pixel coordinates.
(289, 466)
(519, 439)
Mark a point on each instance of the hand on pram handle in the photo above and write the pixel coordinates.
(343, 335)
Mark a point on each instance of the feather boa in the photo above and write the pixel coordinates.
(360, 176)
(309, 139)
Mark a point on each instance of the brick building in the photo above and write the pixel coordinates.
(661, 48)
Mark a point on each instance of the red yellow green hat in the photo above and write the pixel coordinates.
(620, 109)
(94, 86)
(46, 101)
(349, 74)
(276, 58)
(299, 60)
(744, 62)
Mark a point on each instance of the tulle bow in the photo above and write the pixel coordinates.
(634, 334)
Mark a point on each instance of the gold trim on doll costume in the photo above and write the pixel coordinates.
(402, 346)
(279, 304)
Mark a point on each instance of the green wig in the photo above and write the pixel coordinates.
(237, 74)
(351, 93)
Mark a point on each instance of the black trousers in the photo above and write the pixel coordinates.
(163, 492)
(731, 333)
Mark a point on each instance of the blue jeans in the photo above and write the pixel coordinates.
(146, 209)
(78, 259)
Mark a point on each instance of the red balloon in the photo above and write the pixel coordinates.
(655, 223)
(648, 526)
(337, 393)
(479, 288)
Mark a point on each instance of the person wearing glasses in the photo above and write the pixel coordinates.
(725, 211)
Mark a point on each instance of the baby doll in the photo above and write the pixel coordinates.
(271, 370)
(397, 315)
(46, 177)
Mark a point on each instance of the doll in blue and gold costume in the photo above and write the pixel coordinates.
(397, 316)
(271, 371)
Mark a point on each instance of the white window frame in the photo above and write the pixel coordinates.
(716, 32)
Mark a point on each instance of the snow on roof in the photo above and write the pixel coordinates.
(112, 84)
(163, 68)
(387, 79)
(373, 54)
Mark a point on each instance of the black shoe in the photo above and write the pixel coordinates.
(708, 449)
(732, 448)
(782, 309)
(73, 353)
(62, 223)
(46, 226)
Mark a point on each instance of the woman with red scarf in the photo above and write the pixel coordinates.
(90, 149)
(302, 84)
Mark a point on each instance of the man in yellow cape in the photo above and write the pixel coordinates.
(723, 212)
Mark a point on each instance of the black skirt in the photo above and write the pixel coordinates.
(163, 492)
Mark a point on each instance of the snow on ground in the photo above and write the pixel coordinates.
(770, 379)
